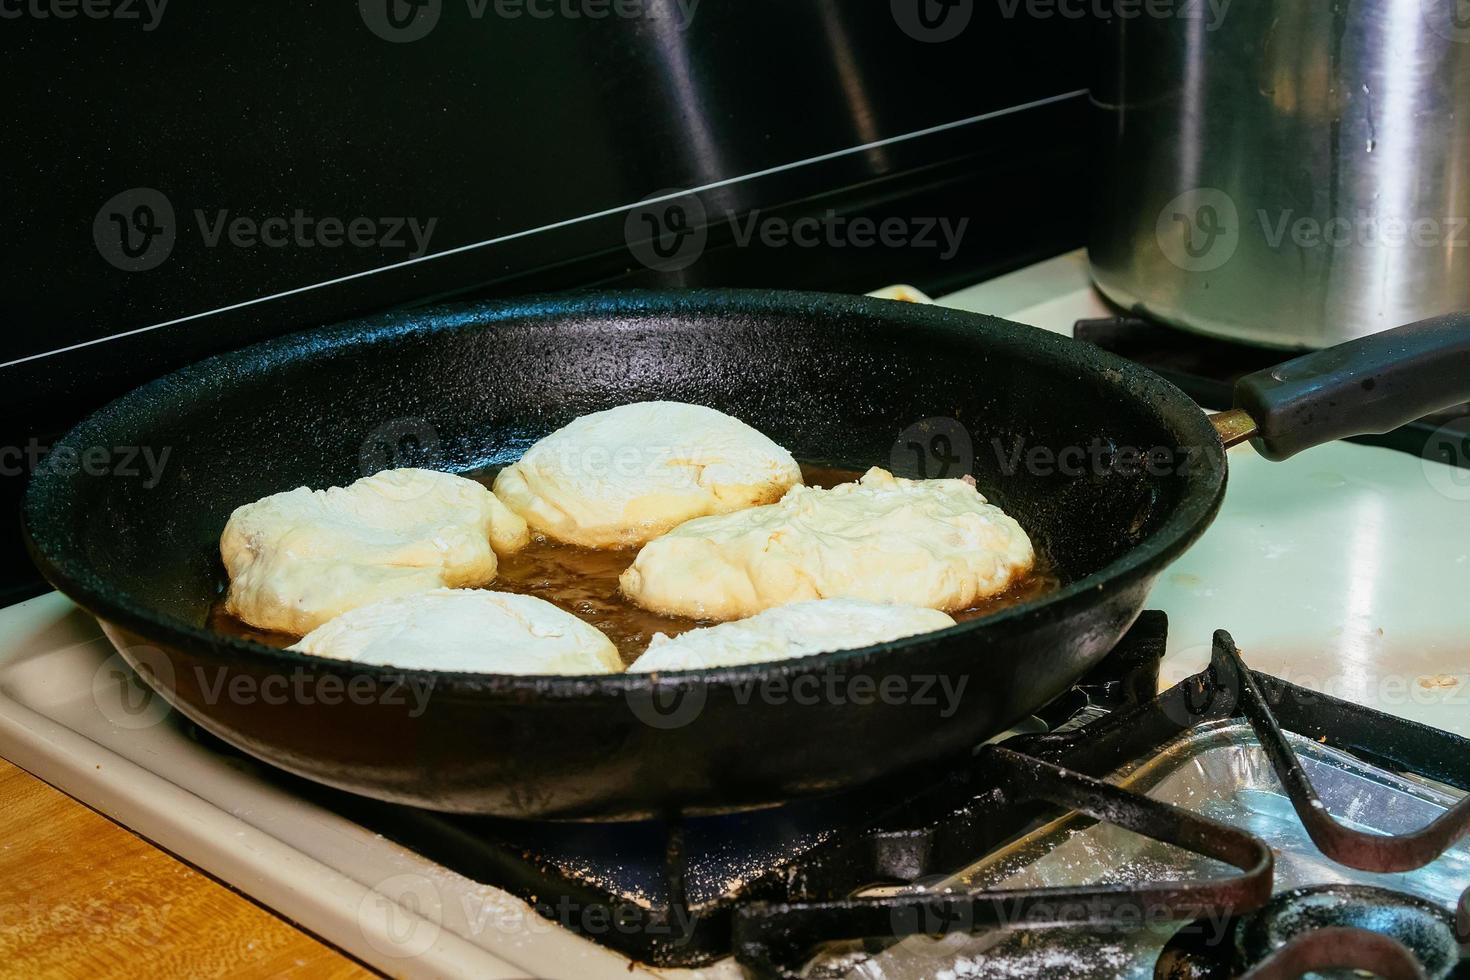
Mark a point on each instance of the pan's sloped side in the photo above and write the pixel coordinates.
(1111, 470)
(639, 748)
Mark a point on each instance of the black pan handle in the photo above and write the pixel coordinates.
(1370, 385)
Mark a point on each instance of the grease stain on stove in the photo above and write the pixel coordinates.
(1326, 478)
(1192, 582)
(1272, 550)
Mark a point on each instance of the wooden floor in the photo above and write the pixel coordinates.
(82, 897)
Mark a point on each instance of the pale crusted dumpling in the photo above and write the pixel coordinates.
(801, 629)
(466, 630)
(618, 478)
(298, 558)
(934, 543)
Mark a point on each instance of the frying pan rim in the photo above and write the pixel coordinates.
(1199, 500)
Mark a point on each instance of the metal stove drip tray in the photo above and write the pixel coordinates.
(1221, 771)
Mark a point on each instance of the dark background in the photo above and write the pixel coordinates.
(492, 126)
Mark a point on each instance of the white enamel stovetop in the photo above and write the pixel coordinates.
(1341, 570)
(1345, 570)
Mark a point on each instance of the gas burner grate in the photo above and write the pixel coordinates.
(771, 886)
(1339, 948)
(778, 935)
(775, 939)
(1343, 844)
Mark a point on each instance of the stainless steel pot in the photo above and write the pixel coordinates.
(1288, 173)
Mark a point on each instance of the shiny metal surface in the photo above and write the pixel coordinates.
(1292, 174)
(1218, 770)
(1235, 426)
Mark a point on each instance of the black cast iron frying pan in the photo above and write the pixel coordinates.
(834, 379)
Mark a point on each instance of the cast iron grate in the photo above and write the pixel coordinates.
(773, 886)
(777, 936)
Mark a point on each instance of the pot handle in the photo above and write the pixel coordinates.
(1366, 386)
